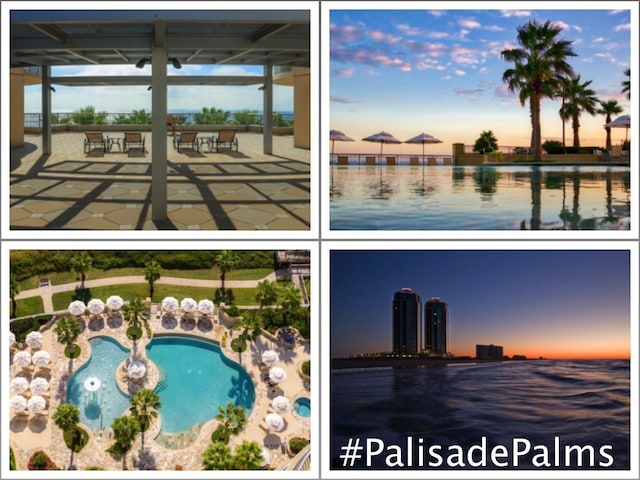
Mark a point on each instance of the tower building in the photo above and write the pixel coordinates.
(436, 327)
(407, 320)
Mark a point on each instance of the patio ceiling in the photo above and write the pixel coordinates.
(193, 37)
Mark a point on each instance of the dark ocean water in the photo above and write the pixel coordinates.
(551, 404)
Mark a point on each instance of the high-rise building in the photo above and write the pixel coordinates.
(436, 327)
(407, 319)
(489, 352)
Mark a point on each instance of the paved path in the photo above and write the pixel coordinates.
(47, 292)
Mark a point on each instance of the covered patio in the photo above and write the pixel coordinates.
(226, 190)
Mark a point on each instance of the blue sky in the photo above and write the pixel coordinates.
(440, 71)
(552, 303)
(185, 98)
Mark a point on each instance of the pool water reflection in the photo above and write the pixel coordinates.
(479, 198)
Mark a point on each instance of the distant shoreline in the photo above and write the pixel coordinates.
(384, 362)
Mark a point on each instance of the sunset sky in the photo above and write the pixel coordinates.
(551, 303)
(440, 72)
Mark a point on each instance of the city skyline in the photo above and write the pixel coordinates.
(446, 70)
(549, 303)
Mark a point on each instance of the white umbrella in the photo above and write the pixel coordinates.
(270, 357)
(95, 306)
(266, 458)
(22, 359)
(12, 338)
(623, 121)
(18, 404)
(381, 138)
(274, 422)
(39, 386)
(205, 306)
(19, 385)
(115, 302)
(77, 308)
(281, 404)
(188, 305)
(170, 304)
(41, 358)
(136, 370)
(37, 404)
(34, 339)
(339, 136)
(277, 375)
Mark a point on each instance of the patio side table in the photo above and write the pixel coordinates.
(111, 141)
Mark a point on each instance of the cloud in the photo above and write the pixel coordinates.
(621, 27)
(437, 13)
(342, 34)
(408, 30)
(438, 35)
(466, 56)
(471, 92)
(336, 99)
(380, 36)
(515, 13)
(432, 49)
(577, 28)
(598, 40)
(469, 23)
(460, 73)
(560, 24)
(344, 72)
(495, 28)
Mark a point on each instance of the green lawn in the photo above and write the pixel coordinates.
(29, 306)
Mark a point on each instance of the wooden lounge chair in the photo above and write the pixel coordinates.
(94, 140)
(171, 124)
(133, 140)
(188, 140)
(227, 136)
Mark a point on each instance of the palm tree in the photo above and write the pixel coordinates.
(81, 263)
(144, 408)
(579, 98)
(67, 329)
(486, 142)
(125, 430)
(267, 293)
(248, 456)
(290, 297)
(538, 66)
(232, 419)
(134, 312)
(226, 261)
(66, 417)
(151, 273)
(217, 456)
(14, 290)
(626, 84)
(608, 108)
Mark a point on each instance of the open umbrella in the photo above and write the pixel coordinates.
(22, 359)
(18, 404)
(41, 358)
(277, 375)
(18, 385)
(188, 305)
(623, 121)
(274, 422)
(95, 306)
(77, 308)
(381, 138)
(339, 136)
(39, 386)
(281, 404)
(136, 370)
(12, 338)
(170, 304)
(37, 404)
(115, 302)
(423, 138)
(270, 357)
(34, 339)
(205, 307)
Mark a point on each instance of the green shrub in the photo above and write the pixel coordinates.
(23, 326)
(553, 147)
(296, 444)
(306, 367)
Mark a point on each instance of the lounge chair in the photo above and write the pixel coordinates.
(133, 140)
(187, 139)
(227, 136)
(94, 140)
(171, 124)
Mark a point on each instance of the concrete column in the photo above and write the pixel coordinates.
(46, 110)
(267, 111)
(159, 134)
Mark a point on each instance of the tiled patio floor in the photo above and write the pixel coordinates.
(244, 190)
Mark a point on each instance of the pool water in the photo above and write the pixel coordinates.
(302, 406)
(99, 408)
(479, 198)
(196, 378)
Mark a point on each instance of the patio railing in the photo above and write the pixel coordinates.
(390, 159)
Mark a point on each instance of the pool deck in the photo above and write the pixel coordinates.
(29, 433)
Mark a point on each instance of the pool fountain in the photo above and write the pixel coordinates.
(92, 384)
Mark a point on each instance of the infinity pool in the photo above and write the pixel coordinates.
(479, 198)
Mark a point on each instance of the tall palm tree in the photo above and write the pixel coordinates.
(125, 429)
(248, 456)
(67, 329)
(267, 293)
(66, 417)
(608, 108)
(152, 271)
(486, 142)
(538, 66)
(14, 290)
(217, 456)
(232, 419)
(134, 313)
(290, 297)
(226, 261)
(144, 408)
(579, 98)
(81, 263)
(626, 84)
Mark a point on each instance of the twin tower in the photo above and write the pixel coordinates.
(412, 336)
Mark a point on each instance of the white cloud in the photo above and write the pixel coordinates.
(624, 26)
(560, 24)
(469, 23)
(598, 40)
(495, 28)
(515, 13)
(460, 73)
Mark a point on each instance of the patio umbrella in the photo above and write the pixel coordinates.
(281, 404)
(22, 359)
(170, 304)
(12, 338)
(136, 370)
(205, 307)
(277, 375)
(39, 386)
(423, 138)
(381, 138)
(18, 404)
(188, 305)
(37, 404)
(77, 308)
(266, 458)
(115, 302)
(270, 357)
(19, 385)
(274, 422)
(339, 136)
(95, 306)
(623, 121)
(34, 339)
(41, 358)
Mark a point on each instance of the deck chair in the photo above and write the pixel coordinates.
(171, 124)
(133, 140)
(227, 136)
(94, 140)
(188, 140)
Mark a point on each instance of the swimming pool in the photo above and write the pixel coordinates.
(93, 387)
(302, 406)
(479, 198)
(196, 378)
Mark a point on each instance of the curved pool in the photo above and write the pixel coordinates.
(302, 406)
(196, 378)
